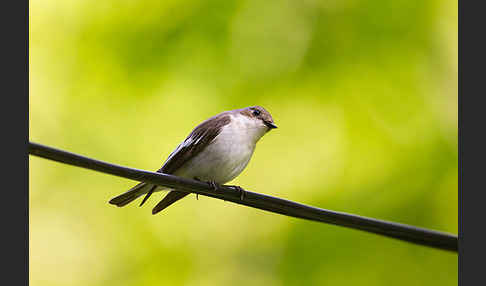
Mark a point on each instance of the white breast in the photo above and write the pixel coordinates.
(229, 153)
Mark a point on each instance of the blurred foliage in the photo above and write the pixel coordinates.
(364, 93)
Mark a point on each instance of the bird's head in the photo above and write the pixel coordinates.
(258, 120)
(260, 116)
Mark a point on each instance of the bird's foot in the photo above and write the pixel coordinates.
(215, 186)
(241, 190)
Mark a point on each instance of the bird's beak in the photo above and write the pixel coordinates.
(270, 124)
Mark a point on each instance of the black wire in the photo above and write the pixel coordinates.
(404, 232)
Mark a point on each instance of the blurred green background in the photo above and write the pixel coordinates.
(370, 86)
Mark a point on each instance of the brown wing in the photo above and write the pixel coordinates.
(199, 138)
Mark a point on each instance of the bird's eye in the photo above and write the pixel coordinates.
(256, 112)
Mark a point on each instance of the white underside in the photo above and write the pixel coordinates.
(228, 155)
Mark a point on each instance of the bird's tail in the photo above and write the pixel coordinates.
(169, 199)
(132, 194)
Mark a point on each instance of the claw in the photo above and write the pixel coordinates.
(241, 190)
(214, 185)
(242, 193)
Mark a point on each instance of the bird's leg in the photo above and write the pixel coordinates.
(241, 190)
(197, 195)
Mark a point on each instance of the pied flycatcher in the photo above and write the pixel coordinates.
(216, 151)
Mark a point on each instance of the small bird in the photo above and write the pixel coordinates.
(216, 152)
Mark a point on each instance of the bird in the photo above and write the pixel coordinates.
(216, 151)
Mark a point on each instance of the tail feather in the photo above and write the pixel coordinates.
(131, 194)
(149, 193)
(169, 199)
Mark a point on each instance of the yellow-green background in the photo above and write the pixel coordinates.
(365, 97)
